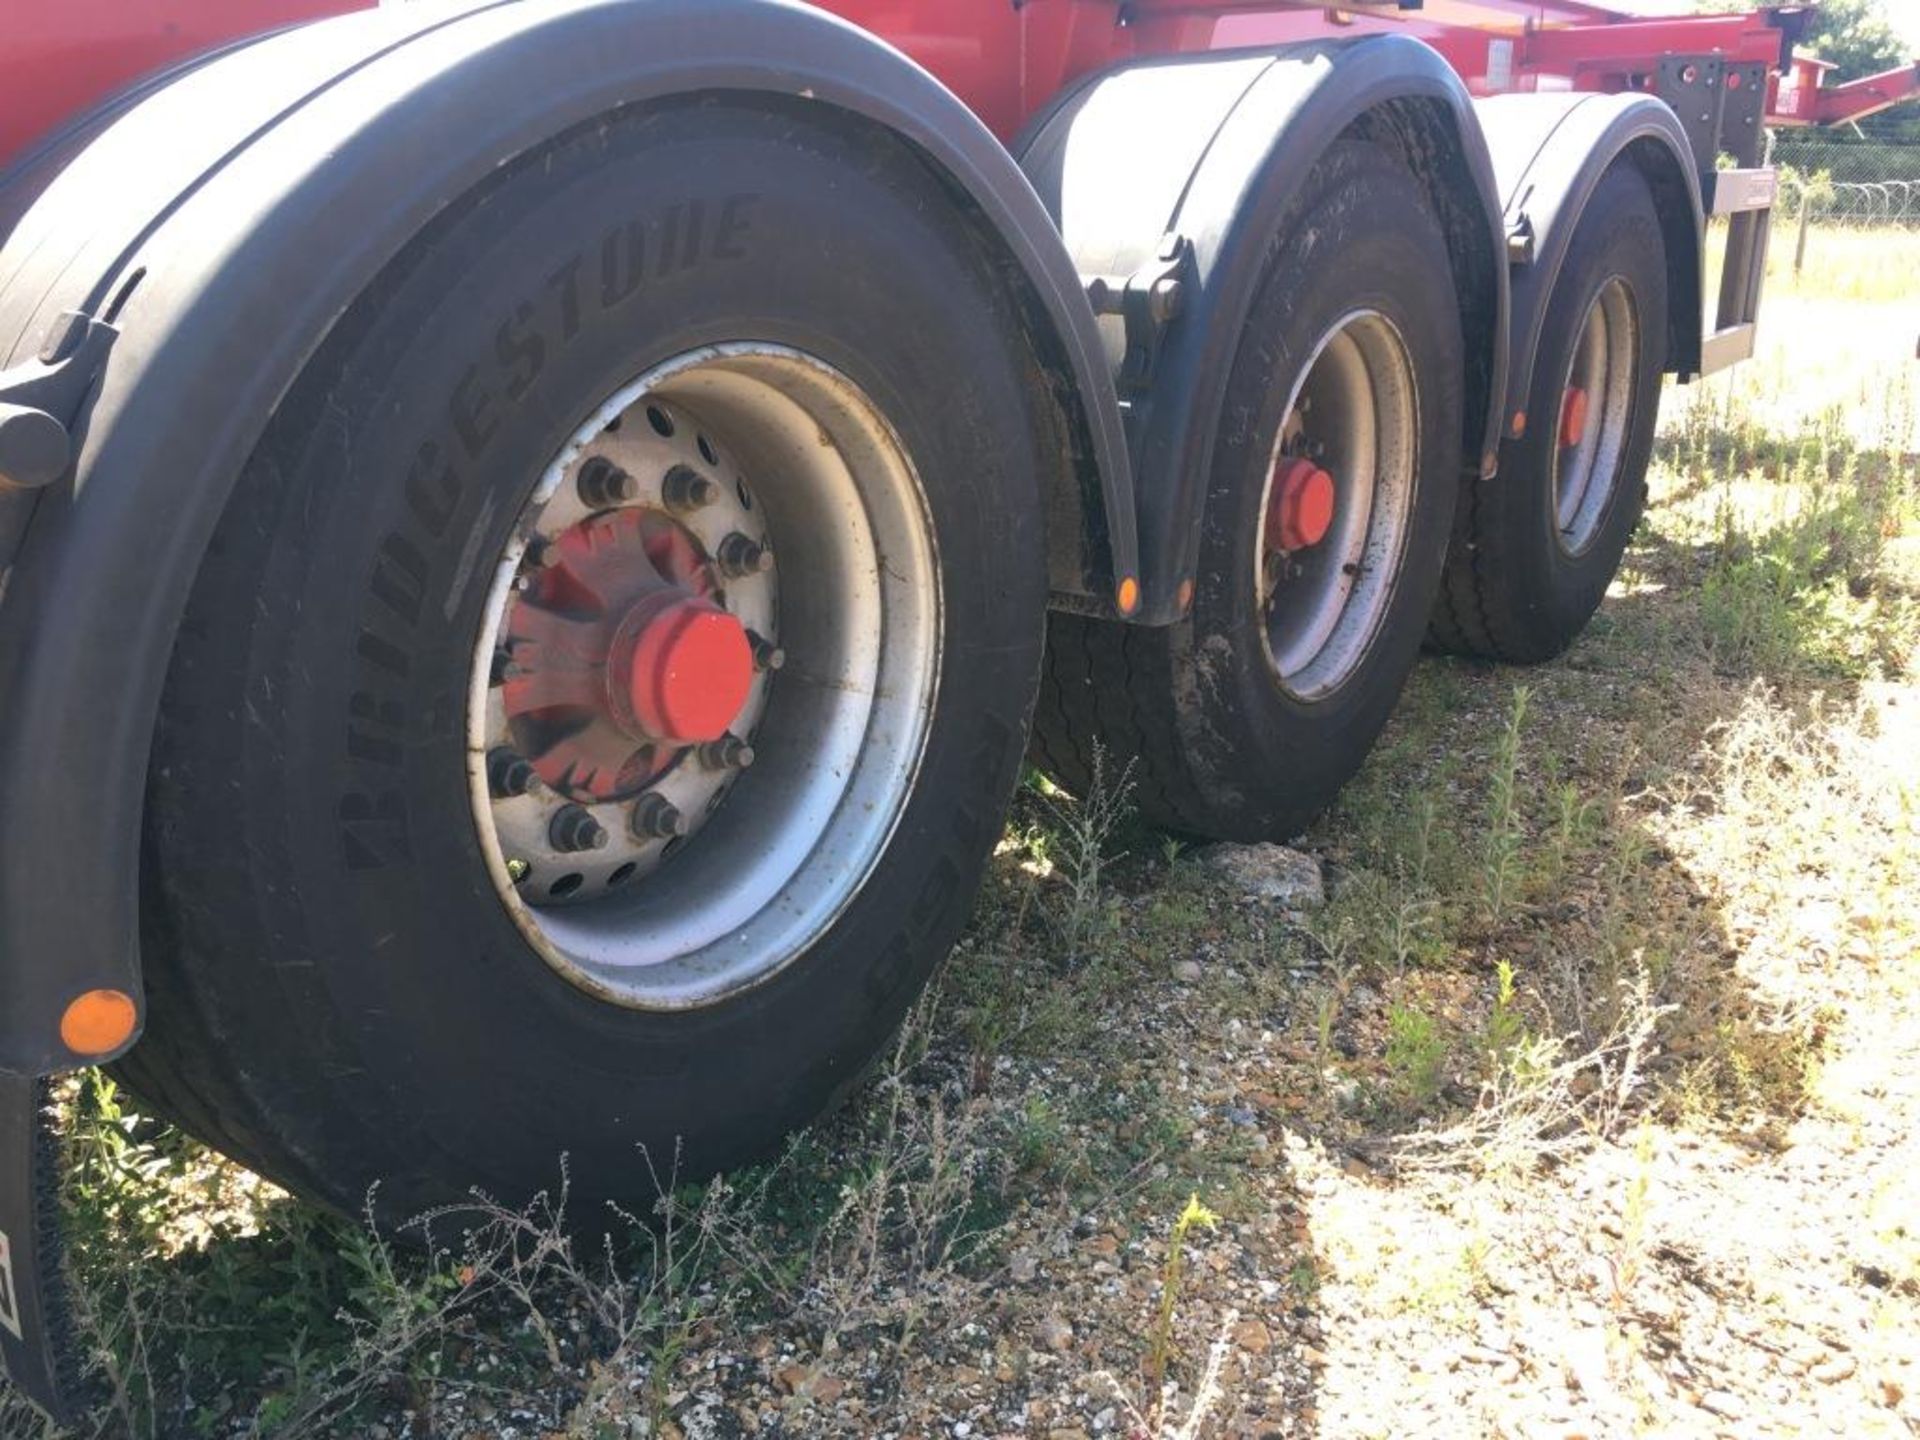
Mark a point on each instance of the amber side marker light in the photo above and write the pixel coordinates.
(98, 1022)
(1129, 595)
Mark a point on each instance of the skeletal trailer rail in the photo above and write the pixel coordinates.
(535, 537)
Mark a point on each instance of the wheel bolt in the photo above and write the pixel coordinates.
(686, 489)
(508, 773)
(573, 829)
(739, 555)
(766, 654)
(729, 752)
(657, 818)
(603, 484)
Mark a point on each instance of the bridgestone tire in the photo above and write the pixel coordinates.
(1513, 591)
(1217, 746)
(339, 995)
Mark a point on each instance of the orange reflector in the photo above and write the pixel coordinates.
(98, 1022)
(1517, 426)
(1129, 595)
(1183, 597)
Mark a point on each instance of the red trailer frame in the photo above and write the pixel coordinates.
(1007, 61)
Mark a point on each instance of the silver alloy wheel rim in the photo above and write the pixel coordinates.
(1586, 474)
(772, 854)
(1356, 412)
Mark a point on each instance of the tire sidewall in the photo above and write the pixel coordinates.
(1365, 240)
(1618, 237)
(400, 475)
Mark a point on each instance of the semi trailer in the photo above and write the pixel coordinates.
(536, 537)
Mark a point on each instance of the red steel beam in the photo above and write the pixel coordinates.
(1857, 99)
(1507, 16)
(1636, 46)
(1500, 46)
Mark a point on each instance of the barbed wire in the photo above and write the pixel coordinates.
(1876, 202)
(1863, 175)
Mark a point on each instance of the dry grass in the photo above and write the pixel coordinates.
(1725, 813)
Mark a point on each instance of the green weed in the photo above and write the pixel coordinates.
(1192, 1216)
(1505, 833)
(1505, 1029)
(1416, 1057)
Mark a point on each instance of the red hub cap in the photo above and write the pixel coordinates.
(1300, 509)
(686, 666)
(1573, 417)
(618, 657)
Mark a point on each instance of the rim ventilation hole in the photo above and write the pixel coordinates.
(707, 452)
(740, 489)
(661, 421)
(621, 876)
(566, 885)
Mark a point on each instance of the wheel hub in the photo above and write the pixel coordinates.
(1300, 512)
(1339, 493)
(618, 656)
(1596, 411)
(632, 704)
(1574, 410)
(684, 667)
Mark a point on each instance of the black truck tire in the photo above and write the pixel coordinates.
(1536, 547)
(342, 992)
(1223, 739)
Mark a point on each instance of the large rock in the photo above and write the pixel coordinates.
(1271, 873)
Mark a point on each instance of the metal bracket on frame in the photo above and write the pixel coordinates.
(1722, 107)
(41, 400)
(1147, 302)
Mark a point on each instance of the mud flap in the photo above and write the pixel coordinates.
(37, 1336)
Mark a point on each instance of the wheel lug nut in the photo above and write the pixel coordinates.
(729, 752)
(686, 489)
(657, 818)
(573, 829)
(603, 484)
(766, 654)
(508, 773)
(739, 555)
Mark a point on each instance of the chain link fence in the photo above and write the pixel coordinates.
(1867, 174)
